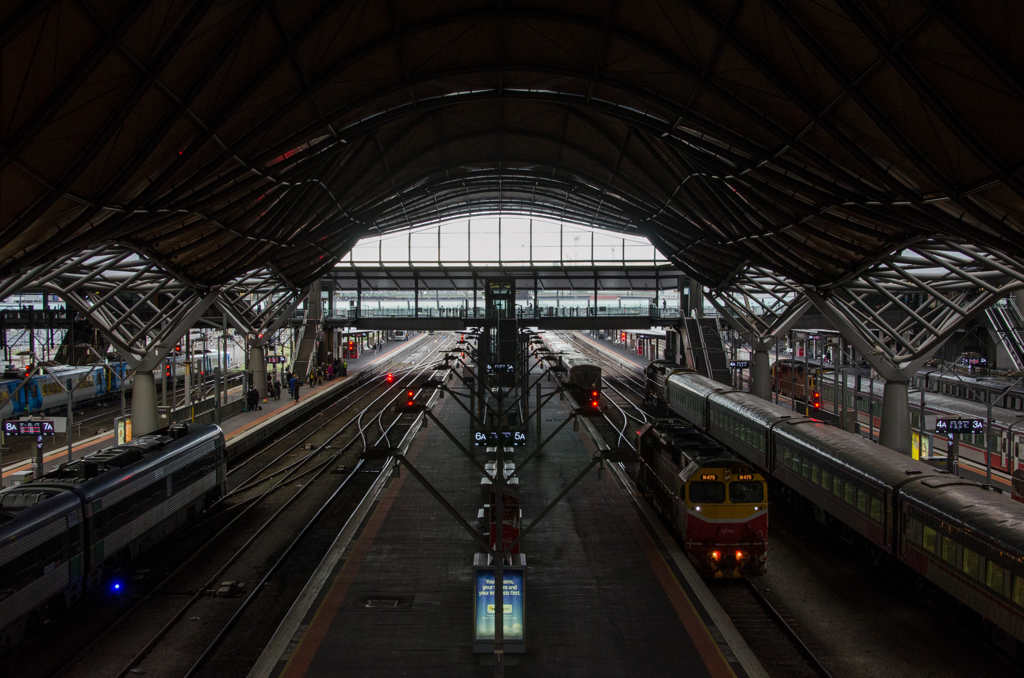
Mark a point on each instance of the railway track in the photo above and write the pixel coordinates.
(206, 590)
(768, 629)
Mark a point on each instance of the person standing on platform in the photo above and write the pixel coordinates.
(293, 388)
(344, 368)
(277, 388)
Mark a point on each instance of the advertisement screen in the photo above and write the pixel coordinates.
(512, 608)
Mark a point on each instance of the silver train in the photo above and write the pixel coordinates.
(67, 532)
(964, 538)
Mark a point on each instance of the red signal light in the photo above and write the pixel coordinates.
(623, 336)
(716, 555)
(391, 377)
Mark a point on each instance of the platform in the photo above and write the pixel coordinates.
(395, 594)
(244, 428)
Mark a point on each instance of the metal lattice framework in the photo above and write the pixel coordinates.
(810, 140)
(896, 312)
(143, 308)
(933, 286)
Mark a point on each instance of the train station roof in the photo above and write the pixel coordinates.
(811, 139)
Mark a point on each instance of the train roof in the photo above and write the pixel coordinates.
(990, 516)
(856, 455)
(750, 406)
(95, 472)
(697, 383)
(198, 436)
(23, 509)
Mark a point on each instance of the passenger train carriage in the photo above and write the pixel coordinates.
(42, 392)
(64, 533)
(715, 501)
(962, 537)
(947, 395)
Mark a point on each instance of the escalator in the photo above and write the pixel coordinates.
(1008, 324)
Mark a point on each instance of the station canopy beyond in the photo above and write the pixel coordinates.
(810, 139)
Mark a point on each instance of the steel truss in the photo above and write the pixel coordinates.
(896, 311)
(935, 286)
(143, 307)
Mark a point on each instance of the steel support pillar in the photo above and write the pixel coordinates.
(760, 372)
(259, 369)
(894, 431)
(144, 413)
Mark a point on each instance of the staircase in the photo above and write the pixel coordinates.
(715, 351)
(705, 350)
(307, 345)
(695, 346)
(1009, 325)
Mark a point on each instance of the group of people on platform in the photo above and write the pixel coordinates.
(319, 374)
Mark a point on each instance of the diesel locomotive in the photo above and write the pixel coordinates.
(716, 502)
(966, 539)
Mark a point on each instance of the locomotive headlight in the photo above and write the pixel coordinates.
(739, 555)
(716, 555)
(698, 508)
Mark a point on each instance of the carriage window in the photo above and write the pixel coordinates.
(876, 509)
(787, 455)
(826, 479)
(928, 539)
(806, 468)
(746, 492)
(1018, 590)
(707, 492)
(796, 463)
(850, 494)
(949, 550)
(994, 576)
(837, 486)
(862, 501)
(814, 473)
(972, 563)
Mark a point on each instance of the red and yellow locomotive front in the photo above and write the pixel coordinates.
(716, 502)
(725, 531)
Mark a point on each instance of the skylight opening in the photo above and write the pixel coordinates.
(504, 240)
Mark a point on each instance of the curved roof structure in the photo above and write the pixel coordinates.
(808, 138)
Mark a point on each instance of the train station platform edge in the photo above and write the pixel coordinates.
(401, 544)
(621, 354)
(239, 424)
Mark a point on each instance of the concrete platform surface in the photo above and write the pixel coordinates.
(601, 599)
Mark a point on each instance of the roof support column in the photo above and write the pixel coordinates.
(258, 365)
(763, 329)
(894, 430)
(145, 418)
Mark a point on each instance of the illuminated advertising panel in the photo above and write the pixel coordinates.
(514, 616)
